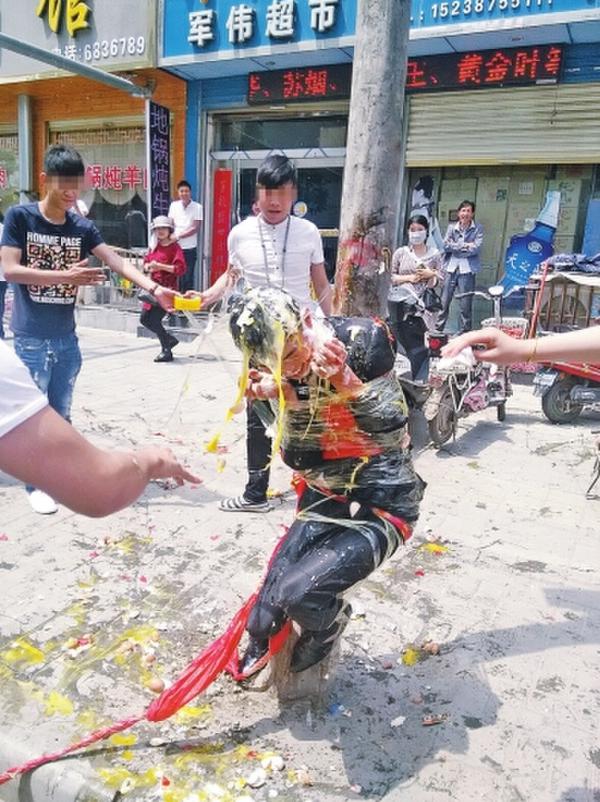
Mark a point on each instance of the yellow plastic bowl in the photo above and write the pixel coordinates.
(187, 304)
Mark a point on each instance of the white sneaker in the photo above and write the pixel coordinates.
(41, 502)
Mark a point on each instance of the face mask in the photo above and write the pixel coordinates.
(417, 237)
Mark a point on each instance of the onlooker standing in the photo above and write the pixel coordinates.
(421, 267)
(462, 244)
(165, 262)
(271, 249)
(187, 216)
(44, 250)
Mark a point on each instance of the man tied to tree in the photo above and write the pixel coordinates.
(340, 417)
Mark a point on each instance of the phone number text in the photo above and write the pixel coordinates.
(119, 47)
(465, 8)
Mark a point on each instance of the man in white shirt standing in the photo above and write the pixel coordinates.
(272, 248)
(187, 216)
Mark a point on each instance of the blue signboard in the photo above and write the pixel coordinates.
(203, 30)
(230, 28)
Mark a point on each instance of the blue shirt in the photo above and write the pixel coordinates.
(40, 311)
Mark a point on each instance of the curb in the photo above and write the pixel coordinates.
(55, 782)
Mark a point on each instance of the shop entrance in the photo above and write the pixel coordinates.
(314, 141)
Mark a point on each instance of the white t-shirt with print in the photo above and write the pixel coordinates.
(20, 399)
(268, 267)
(184, 217)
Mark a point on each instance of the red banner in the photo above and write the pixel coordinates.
(221, 222)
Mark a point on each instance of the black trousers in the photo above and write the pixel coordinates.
(465, 283)
(152, 319)
(258, 453)
(410, 334)
(186, 282)
(327, 551)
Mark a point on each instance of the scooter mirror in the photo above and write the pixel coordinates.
(496, 290)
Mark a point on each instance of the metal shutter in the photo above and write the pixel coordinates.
(529, 125)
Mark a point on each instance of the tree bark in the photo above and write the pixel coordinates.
(374, 158)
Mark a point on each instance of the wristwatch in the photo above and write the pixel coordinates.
(153, 289)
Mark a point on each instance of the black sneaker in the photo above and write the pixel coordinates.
(164, 356)
(255, 657)
(312, 647)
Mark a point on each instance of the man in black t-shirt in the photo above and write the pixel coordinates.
(44, 250)
(342, 429)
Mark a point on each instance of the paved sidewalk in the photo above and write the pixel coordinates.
(502, 573)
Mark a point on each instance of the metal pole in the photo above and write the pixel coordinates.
(67, 64)
(25, 128)
(374, 158)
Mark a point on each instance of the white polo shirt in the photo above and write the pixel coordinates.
(268, 266)
(20, 399)
(184, 217)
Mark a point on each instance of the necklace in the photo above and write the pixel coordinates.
(283, 253)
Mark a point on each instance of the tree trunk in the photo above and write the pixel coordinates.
(374, 158)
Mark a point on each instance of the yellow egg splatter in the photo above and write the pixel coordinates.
(21, 651)
(411, 656)
(434, 548)
(118, 739)
(57, 704)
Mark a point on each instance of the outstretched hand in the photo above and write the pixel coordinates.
(161, 463)
(494, 346)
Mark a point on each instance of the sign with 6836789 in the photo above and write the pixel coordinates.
(121, 47)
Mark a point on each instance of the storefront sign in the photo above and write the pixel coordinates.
(491, 14)
(205, 29)
(158, 126)
(310, 83)
(100, 34)
(116, 177)
(485, 69)
(222, 185)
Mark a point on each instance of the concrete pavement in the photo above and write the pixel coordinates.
(502, 573)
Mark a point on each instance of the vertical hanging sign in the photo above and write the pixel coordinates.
(222, 186)
(158, 157)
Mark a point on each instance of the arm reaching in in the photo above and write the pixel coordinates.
(49, 453)
(580, 346)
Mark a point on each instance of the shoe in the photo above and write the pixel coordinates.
(41, 502)
(312, 647)
(164, 356)
(241, 504)
(173, 341)
(255, 657)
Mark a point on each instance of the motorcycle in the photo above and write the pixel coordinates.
(461, 385)
(566, 388)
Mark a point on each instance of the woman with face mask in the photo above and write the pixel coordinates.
(419, 266)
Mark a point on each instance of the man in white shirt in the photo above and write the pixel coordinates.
(271, 249)
(187, 216)
(39, 447)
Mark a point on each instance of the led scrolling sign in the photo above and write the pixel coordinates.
(479, 69)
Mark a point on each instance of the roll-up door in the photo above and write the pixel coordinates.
(539, 124)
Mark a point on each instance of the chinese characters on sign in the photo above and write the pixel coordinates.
(242, 21)
(115, 177)
(76, 14)
(159, 158)
(299, 84)
(486, 68)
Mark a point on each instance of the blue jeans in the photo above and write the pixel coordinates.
(54, 364)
